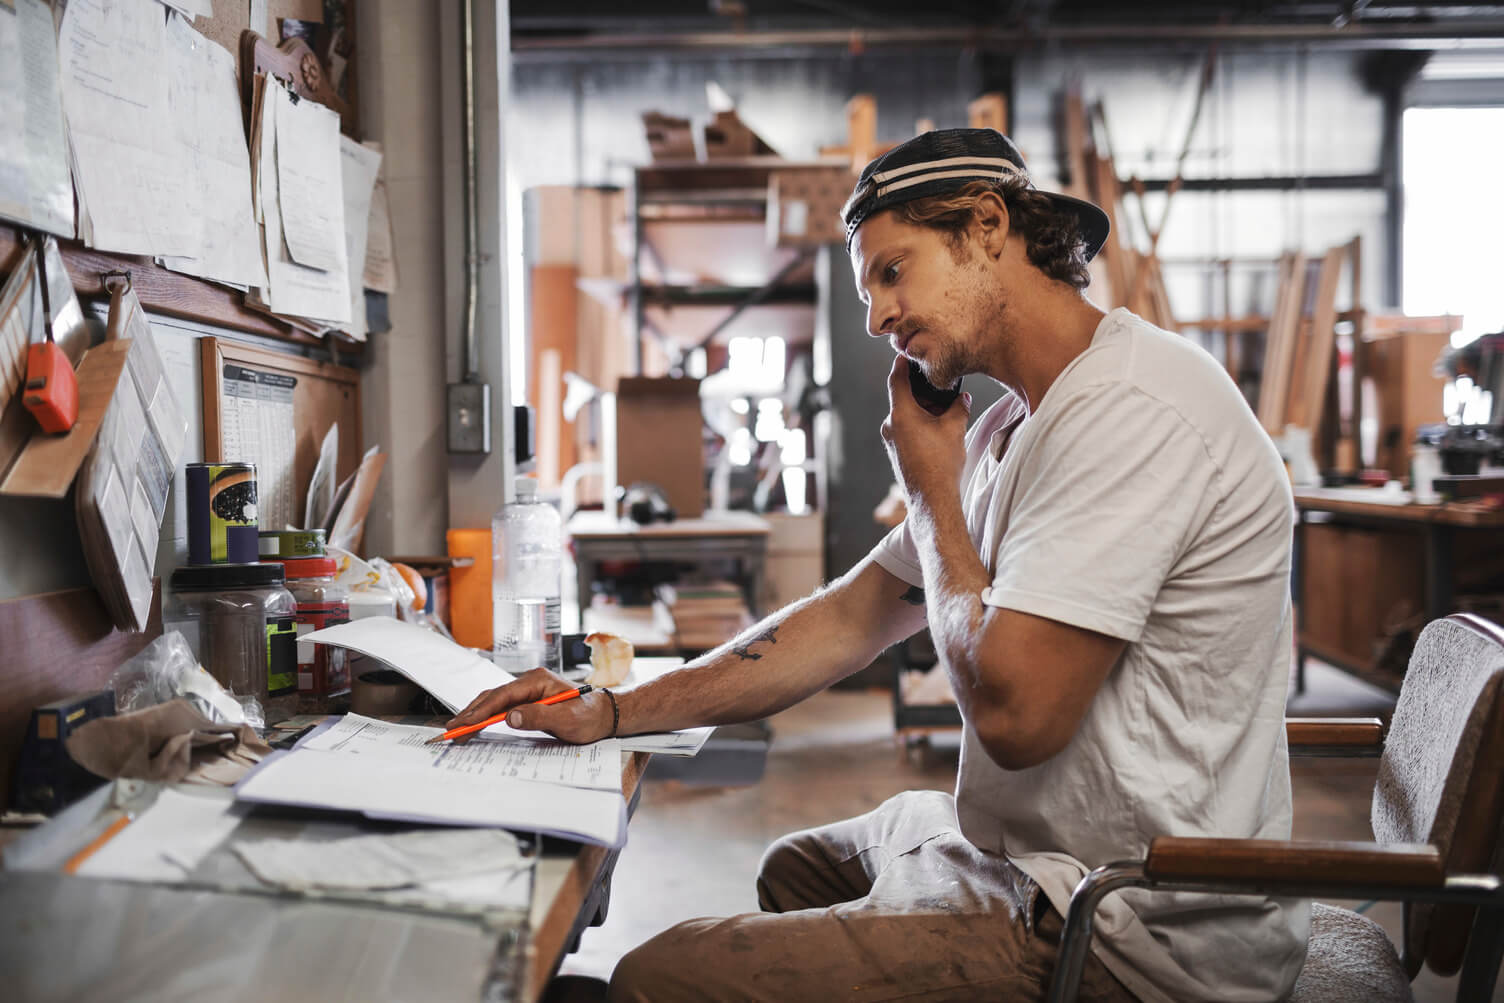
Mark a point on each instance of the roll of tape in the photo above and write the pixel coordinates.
(382, 692)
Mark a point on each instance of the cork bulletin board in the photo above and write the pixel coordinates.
(272, 409)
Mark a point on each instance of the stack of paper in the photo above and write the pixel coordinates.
(389, 771)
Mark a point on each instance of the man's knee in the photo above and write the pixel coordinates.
(779, 861)
(658, 968)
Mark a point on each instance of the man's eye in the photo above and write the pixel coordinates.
(890, 274)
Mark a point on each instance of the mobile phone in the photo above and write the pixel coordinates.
(930, 397)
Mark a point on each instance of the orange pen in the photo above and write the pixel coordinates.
(471, 729)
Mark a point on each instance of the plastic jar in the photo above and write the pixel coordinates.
(323, 670)
(527, 554)
(239, 621)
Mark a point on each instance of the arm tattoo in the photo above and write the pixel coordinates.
(914, 596)
(744, 651)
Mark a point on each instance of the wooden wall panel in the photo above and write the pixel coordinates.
(56, 644)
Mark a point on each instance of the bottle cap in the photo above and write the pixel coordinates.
(527, 487)
(310, 567)
(205, 577)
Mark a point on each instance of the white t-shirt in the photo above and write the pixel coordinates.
(1143, 501)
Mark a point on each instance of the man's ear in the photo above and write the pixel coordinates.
(990, 217)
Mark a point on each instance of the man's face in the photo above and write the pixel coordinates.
(935, 302)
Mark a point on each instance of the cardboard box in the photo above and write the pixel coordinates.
(669, 138)
(795, 563)
(804, 205)
(728, 136)
(1401, 367)
(658, 439)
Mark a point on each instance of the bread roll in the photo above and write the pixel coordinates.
(610, 659)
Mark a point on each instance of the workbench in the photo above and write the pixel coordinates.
(1362, 567)
(741, 537)
(216, 936)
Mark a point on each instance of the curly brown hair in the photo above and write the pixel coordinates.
(1055, 243)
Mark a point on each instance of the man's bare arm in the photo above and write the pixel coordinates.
(1024, 682)
(789, 655)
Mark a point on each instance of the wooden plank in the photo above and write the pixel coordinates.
(1075, 149)
(57, 644)
(1189, 858)
(990, 111)
(861, 129)
(1334, 732)
(1280, 349)
(1308, 394)
(46, 466)
(158, 289)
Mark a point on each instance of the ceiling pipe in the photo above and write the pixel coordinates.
(1474, 33)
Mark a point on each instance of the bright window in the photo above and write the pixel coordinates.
(1454, 211)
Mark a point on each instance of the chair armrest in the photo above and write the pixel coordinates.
(1398, 865)
(1334, 736)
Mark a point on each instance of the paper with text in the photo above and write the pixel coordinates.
(596, 766)
(203, 100)
(358, 167)
(315, 778)
(308, 183)
(35, 186)
(113, 68)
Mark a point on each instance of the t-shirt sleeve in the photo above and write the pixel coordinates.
(1108, 493)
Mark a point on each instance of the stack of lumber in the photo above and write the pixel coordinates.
(1122, 275)
(1299, 356)
(705, 615)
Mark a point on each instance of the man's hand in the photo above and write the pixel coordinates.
(928, 452)
(581, 721)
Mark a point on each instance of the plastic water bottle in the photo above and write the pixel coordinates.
(527, 550)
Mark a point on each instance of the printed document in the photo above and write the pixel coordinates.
(308, 183)
(113, 67)
(167, 842)
(35, 186)
(204, 102)
(358, 167)
(596, 766)
(488, 795)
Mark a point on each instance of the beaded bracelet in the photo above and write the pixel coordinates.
(615, 712)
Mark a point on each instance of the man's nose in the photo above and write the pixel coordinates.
(882, 317)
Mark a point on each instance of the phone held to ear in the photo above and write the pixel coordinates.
(930, 397)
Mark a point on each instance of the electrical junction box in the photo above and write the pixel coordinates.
(469, 417)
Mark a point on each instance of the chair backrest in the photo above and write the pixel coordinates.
(1441, 777)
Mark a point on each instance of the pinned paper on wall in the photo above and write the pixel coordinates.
(35, 186)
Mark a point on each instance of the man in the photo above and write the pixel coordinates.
(1103, 563)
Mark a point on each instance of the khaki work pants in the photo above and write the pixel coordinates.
(890, 905)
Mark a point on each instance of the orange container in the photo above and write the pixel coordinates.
(470, 588)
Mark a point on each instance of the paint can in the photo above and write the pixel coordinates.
(222, 513)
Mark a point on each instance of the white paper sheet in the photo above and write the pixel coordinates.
(358, 167)
(292, 289)
(35, 186)
(317, 779)
(545, 760)
(112, 63)
(381, 260)
(168, 841)
(384, 860)
(308, 183)
(453, 674)
(674, 743)
(191, 8)
(204, 103)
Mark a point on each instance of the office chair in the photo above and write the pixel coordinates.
(1436, 821)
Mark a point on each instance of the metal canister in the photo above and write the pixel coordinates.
(222, 513)
(279, 544)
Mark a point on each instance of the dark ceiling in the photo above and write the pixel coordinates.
(1005, 25)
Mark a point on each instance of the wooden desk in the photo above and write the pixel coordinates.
(1368, 560)
(570, 890)
(739, 536)
(362, 948)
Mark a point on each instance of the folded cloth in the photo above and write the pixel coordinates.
(166, 743)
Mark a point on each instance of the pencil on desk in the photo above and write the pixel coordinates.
(471, 729)
(77, 860)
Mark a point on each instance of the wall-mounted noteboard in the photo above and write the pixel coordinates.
(272, 409)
